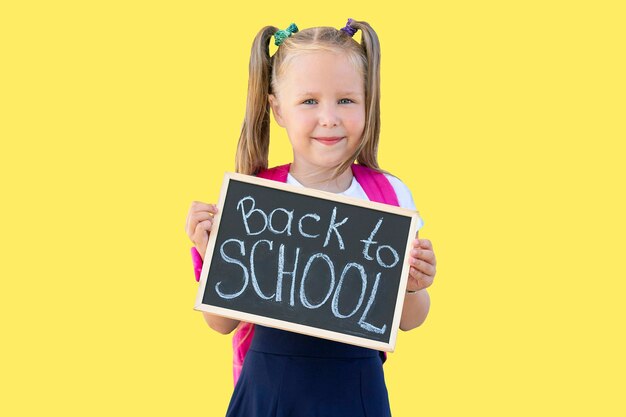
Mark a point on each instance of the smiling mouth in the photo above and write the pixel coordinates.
(329, 140)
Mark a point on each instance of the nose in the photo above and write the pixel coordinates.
(328, 116)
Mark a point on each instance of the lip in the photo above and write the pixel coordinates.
(329, 140)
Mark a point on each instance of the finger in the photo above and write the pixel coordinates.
(194, 219)
(414, 273)
(425, 244)
(204, 226)
(201, 233)
(200, 206)
(196, 216)
(200, 217)
(421, 281)
(423, 267)
(424, 255)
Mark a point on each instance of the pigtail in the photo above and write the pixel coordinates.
(367, 152)
(253, 147)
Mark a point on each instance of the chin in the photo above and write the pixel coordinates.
(328, 163)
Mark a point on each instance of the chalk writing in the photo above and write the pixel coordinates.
(307, 260)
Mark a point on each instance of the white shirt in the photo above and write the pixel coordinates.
(405, 198)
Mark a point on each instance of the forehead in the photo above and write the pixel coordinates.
(321, 70)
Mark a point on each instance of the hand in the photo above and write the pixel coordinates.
(423, 265)
(199, 223)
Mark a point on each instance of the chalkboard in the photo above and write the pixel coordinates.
(308, 261)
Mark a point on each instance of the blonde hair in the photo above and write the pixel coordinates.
(265, 72)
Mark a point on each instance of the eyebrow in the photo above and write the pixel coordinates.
(341, 93)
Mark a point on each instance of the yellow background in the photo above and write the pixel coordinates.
(506, 119)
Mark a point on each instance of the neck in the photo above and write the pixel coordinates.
(321, 178)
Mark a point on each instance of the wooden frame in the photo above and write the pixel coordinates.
(296, 327)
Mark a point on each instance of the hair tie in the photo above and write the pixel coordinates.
(349, 29)
(281, 35)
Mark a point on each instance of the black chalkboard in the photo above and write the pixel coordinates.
(307, 261)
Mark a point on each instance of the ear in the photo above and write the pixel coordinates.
(275, 105)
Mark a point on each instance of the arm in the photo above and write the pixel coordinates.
(220, 324)
(198, 227)
(414, 310)
(421, 276)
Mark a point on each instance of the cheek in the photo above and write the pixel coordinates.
(300, 119)
(356, 122)
(298, 130)
(302, 125)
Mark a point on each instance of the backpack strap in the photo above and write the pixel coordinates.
(242, 339)
(278, 173)
(375, 184)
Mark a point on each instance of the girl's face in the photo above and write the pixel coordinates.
(320, 100)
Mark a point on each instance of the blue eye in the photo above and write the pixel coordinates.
(345, 101)
(309, 101)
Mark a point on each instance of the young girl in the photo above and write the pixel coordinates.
(323, 87)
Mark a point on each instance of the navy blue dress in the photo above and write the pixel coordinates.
(292, 375)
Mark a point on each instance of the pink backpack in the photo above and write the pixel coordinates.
(378, 189)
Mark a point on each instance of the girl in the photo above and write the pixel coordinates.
(323, 87)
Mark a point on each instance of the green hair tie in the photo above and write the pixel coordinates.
(281, 35)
